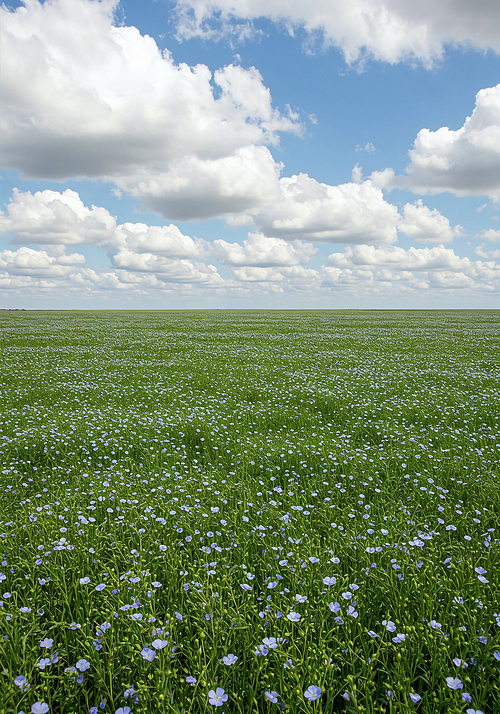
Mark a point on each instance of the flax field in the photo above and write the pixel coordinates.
(249, 512)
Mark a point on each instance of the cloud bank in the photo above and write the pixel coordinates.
(385, 30)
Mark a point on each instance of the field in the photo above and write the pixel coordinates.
(248, 512)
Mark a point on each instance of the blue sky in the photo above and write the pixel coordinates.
(221, 153)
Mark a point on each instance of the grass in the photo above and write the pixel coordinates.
(341, 466)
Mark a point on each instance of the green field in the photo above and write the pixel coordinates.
(226, 511)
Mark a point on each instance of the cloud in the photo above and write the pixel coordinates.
(386, 30)
(167, 270)
(427, 226)
(348, 213)
(196, 189)
(491, 235)
(260, 251)
(53, 218)
(38, 263)
(437, 268)
(465, 161)
(367, 147)
(85, 97)
(487, 254)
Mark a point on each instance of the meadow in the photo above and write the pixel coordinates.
(246, 512)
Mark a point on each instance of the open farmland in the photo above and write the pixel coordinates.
(236, 509)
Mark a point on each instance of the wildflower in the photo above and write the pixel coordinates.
(148, 654)
(454, 683)
(159, 644)
(47, 643)
(245, 586)
(100, 587)
(40, 708)
(334, 606)
(123, 710)
(261, 650)
(82, 665)
(300, 598)
(496, 655)
(293, 616)
(20, 681)
(272, 696)
(352, 612)
(270, 642)
(435, 625)
(85, 580)
(229, 659)
(389, 625)
(474, 711)
(329, 581)
(399, 638)
(347, 595)
(191, 680)
(218, 697)
(312, 693)
(414, 697)
(372, 633)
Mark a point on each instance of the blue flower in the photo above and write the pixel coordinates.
(124, 710)
(218, 697)
(329, 581)
(272, 696)
(454, 683)
(293, 616)
(148, 654)
(270, 642)
(82, 665)
(191, 680)
(313, 692)
(20, 681)
(40, 708)
(47, 643)
(334, 606)
(84, 581)
(414, 697)
(159, 644)
(229, 659)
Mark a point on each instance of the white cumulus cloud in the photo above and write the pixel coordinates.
(53, 218)
(348, 213)
(260, 251)
(427, 226)
(83, 96)
(386, 30)
(38, 263)
(465, 161)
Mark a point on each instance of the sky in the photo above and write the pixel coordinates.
(303, 154)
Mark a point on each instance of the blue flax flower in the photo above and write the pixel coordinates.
(313, 692)
(218, 697)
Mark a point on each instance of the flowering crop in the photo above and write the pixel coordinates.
(244, 512)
